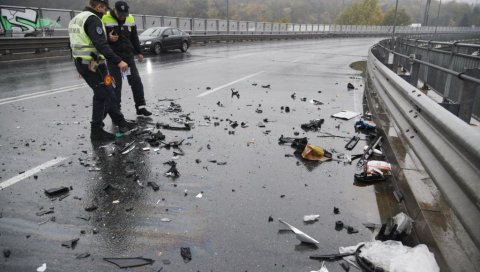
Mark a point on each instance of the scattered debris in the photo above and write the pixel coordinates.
(166, 220)
(316, 153)
(266, 86)
(172, 172)
(311, 218)
(336, 210)
(6, 253)
(235, 93)
(116, 201)
(91, 208)
(186, 254)
(53, 192)
(42, 268)
(303, 237)
(270, 219)
(129, 262)
(392, 256)
(396, 228)
(154, 185)
(352, 143)
(346, 115)
(365, 126)
(44, 212)
(368, 152)
(200, 195)
(338, 225)
(350, 86)
(314, 125)
(71, 243)
(322, 269)
(82, 255)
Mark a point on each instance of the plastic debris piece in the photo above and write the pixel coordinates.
(71, 243)
(336, 210)
(270, 219)
(381, 167)
(166, 220)
(6, 253)
(376, 152)
(368, 152)
(129, 262)
(56, 191)
(303, 237)
(346, 115)
(338, 225)
(396, 228)
(235, 93)
(350, 86)
(314, 125)
(172, 172)
(154, 185)
(322, 269)
(41, 213)
(330, 257)
(82, 255)
(42, 268)
(128, 150)
(91, 208)
(316, 153)
(352, 143)
(351, 230)
(293, 141)
(116, 201)
(365, 125)
(200, 195)
(266, 86)
(186, 254)
(311, 218)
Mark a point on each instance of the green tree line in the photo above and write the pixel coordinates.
(299, 11)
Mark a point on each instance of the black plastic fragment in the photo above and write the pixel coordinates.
(82, 255)
(129, 262)
(57, 191)
(172, 172)
(338, 225)
(270, 219)
(41, 213)
(350, 86)
(91, 208)
(235, 93)
(352, 143)
(186, 254)
(70, 243)
(6, 253)
(336, 210)
(351, 230)
(154, 185)
(330, 257)
(314, 125)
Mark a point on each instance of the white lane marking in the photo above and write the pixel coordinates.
(40, 94)
(229, 84)
(30, 172)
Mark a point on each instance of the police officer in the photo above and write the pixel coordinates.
(123, 39)
(90, 51)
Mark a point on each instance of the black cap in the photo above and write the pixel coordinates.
(103, 1)
(121, 8)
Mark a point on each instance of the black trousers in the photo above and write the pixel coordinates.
(134, 81)
(104, 98)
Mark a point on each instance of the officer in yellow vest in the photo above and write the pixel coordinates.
(123, 39)
(90, 51)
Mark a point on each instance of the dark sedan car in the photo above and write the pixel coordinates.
(162, 39)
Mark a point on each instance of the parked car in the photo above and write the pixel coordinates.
(162, 39)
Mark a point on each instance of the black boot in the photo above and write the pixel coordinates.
(98, 134)
(142, 110)
(125, 126)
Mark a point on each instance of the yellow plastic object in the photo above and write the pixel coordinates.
(315, 153)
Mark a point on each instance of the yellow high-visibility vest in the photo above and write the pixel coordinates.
(80, 43)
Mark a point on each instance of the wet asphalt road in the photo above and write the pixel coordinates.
(45, 113)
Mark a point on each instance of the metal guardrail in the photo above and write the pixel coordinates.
(55, 22)
(443, 66)
(448, 148)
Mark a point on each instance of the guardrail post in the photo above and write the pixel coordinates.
(414, 69)
(396, 59)
(448, 82)
(467, 95)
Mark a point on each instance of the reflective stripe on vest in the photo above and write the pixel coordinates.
(80, 43)
(110, 21)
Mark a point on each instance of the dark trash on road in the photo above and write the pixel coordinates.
(129, 262)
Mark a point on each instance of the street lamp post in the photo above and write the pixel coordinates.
(228, 20)
(438, 16)
(394, 24)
